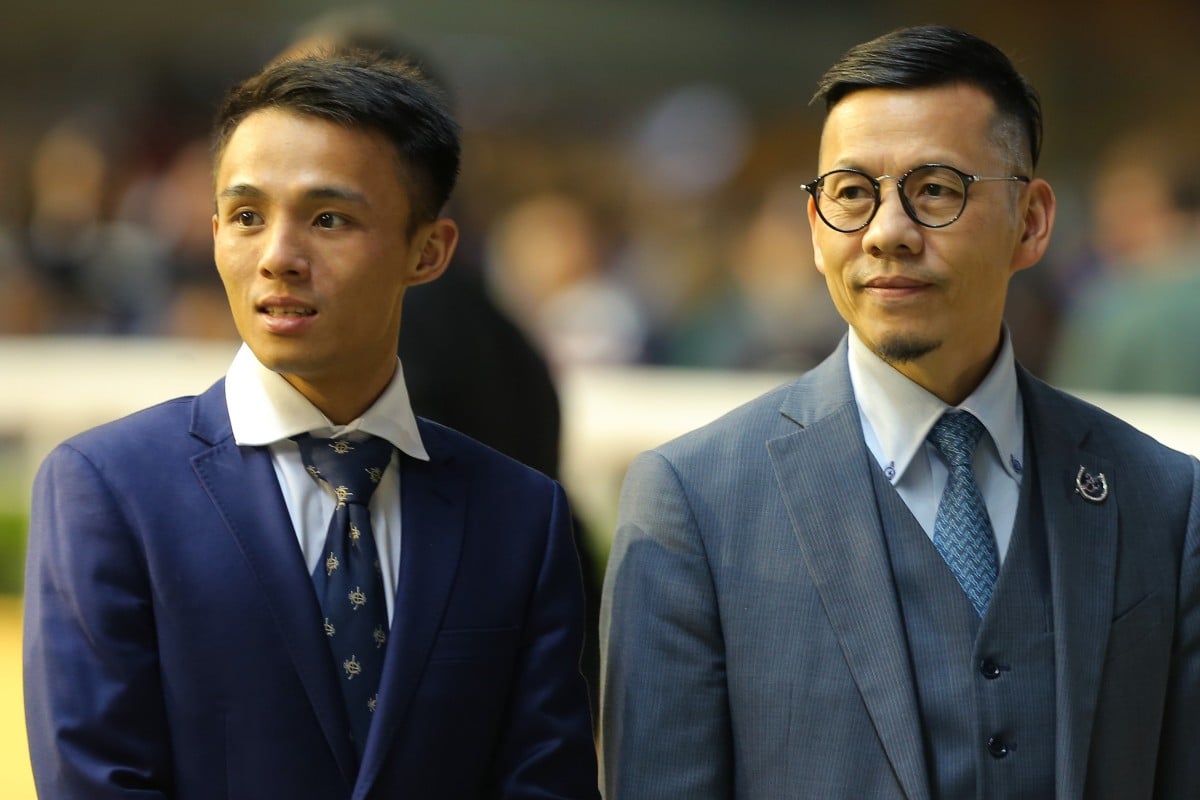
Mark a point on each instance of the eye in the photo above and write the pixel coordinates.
(329, 220)
(932, 189)
(851, 192)
(848, 187)
(934, 183)
(247, 218)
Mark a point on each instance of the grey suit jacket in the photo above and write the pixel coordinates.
(752, 642)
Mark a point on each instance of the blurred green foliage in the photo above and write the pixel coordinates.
(14, 531)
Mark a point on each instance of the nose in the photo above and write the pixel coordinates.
(891, 231)
(284, 255)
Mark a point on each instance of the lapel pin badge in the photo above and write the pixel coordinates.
(1093, 488)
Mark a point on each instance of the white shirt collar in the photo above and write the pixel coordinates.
(897, 414)
(264, 409)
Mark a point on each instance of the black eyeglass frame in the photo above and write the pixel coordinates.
(813, 187)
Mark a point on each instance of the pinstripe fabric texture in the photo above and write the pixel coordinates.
(1013, 671)
(941, 626)
(985, 687)
(754, 645)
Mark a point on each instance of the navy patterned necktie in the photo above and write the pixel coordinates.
(962, 532)
(348, 578)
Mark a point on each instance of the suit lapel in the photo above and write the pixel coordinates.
(830, 499)
(1081, 538)
(433, 514)
(264, 534)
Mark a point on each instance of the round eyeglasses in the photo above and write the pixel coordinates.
(933, 195)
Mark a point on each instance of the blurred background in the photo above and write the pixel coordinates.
(636, 257)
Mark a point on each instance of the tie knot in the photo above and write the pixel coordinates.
(955, 436)
(352, 469)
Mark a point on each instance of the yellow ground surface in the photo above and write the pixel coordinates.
(16, 781)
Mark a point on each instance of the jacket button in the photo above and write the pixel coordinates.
(997, 747)
(989, 669)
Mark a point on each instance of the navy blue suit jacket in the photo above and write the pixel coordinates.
(173, 646)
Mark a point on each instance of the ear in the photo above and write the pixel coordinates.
(436, 242)
(814, 224)
(1036, 225)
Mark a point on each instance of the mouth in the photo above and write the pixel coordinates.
(285, 316)
(286, 311)
(894, 282)
(284, 307)
(895, 289)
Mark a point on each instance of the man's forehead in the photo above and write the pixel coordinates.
(269, 122)
(951, 95)
(949, 116)
(270, 128)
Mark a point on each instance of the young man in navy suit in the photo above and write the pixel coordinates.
(176, 645)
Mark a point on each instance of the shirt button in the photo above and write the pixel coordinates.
(997, 747)
(989, 669)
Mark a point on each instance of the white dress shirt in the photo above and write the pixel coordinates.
(265, 409)
(897, 414)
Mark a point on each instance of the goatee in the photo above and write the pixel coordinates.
(899, 350)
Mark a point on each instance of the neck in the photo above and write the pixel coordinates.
(951, 377)
(344, 400)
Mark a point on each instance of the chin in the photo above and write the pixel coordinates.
(278, 359)
(899, 349)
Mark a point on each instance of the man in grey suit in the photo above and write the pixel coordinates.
(917, 571)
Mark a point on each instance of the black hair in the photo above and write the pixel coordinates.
(935, 55)
(365, 90)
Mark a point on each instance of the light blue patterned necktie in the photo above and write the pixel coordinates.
(348, 578)
(962, 532)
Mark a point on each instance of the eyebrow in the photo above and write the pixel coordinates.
(246, 190)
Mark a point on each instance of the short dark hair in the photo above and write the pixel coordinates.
(360, 89)
(935, 55)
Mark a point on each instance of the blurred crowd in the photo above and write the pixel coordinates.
(682, 241)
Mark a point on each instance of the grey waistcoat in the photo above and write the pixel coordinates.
(985, 688)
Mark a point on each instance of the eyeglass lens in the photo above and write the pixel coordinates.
(933, 196)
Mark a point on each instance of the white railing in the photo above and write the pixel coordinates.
(55, 387)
